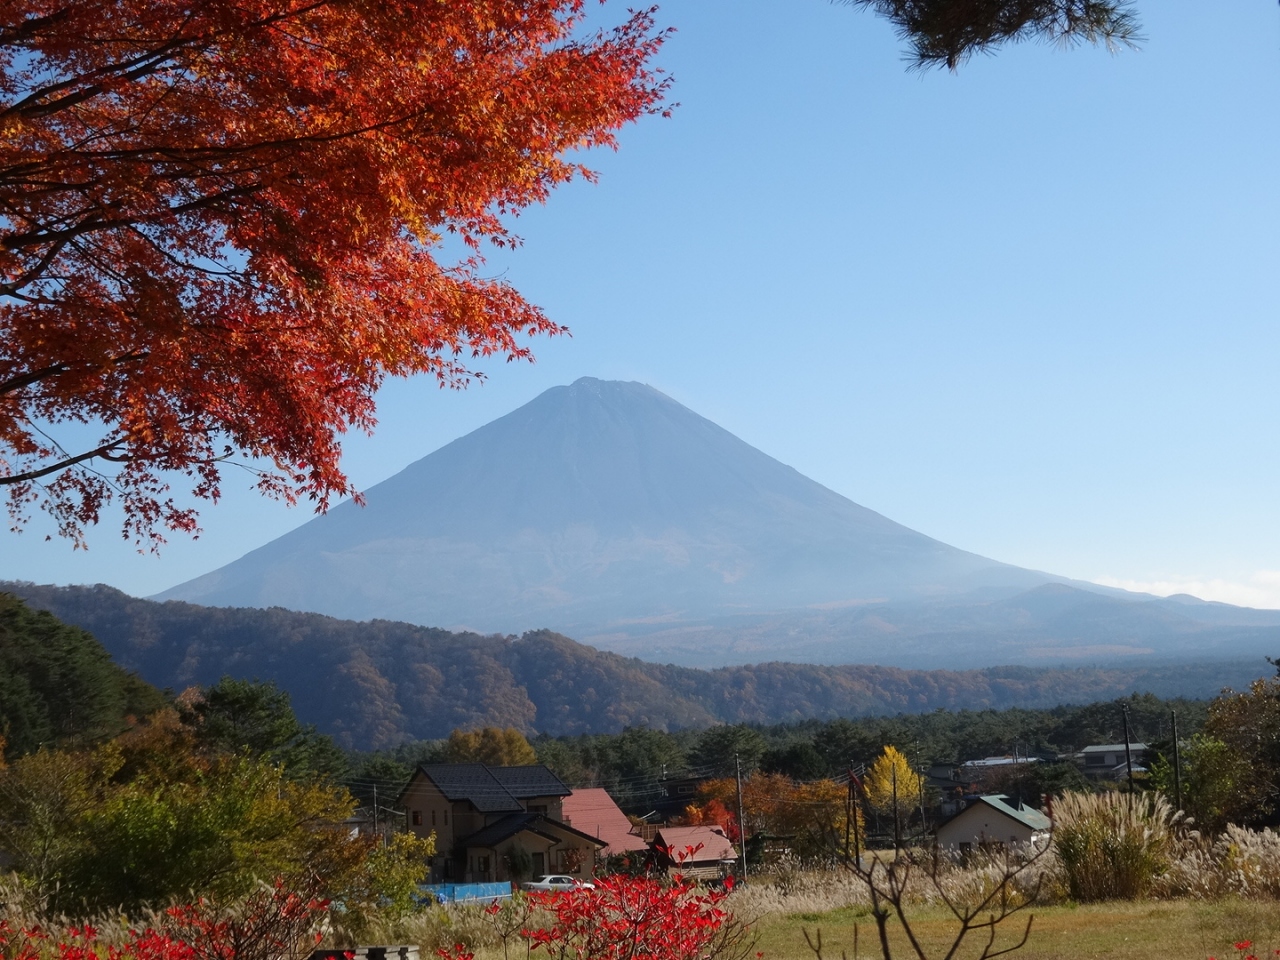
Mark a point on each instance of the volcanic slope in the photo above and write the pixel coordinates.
(597, 507)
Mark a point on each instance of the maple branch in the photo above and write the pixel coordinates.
(159, 248)
(103, 451)
(140, 66)
(135, 69)
(25, 173)
(35, 376)
(34, 272)
(41, 236)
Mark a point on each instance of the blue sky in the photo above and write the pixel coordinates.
(1028, 308)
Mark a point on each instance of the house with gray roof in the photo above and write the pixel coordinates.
(1106, 761)
(992, 822)
(493, 824)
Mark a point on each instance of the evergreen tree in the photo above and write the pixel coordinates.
(58, 684)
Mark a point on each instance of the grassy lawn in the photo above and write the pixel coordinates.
(1125, 931)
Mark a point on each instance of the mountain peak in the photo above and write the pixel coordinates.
(595, 505)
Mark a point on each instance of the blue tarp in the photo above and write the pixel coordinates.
(458, 892)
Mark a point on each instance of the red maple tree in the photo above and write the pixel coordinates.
(635, 918)
(221, 224)
(712, 813)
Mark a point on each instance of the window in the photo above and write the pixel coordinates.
(685, 788)
(446, 818)
(433, 818)
(537, 808)
(417, 818)
(482, 863)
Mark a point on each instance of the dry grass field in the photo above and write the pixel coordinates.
(1172, 930)
(1143, 930)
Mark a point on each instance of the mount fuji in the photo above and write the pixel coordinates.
(609, 512)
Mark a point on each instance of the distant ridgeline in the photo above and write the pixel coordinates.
(58, 684)
(377, 684)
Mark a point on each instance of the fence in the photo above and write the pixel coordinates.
(462, 892)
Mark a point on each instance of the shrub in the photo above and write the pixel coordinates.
(1112, 846)
(639, 918)
(1239, 863)
(273, 923)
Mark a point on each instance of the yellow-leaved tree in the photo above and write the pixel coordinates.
(497, 748)
(892, 787)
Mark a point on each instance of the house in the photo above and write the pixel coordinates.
(990, 822)
(1105, 761)
(675, 794)
(946, 782)
(593, 811)
(979, 769)
(696, 852)
(494, 824)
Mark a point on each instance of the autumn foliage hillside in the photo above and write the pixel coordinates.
(378, 683)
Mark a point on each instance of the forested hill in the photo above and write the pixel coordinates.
(58, 684)
(376, 684)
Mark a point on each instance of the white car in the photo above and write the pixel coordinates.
(557, 881)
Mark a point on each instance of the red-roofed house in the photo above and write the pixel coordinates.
(480, 815)
(713, 855)
(593, 811)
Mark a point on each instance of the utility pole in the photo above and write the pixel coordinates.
(848, 814)
(921, 769)
(1128, 752)
(742, 823)
(897, 822)
(853, 792)
(375, 809)
(1177, 762)
(924, 827)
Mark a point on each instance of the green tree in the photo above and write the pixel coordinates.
(57, 683)
(43, 797)
(1248, 726)
(948, 32)
(148, 818)
(720, 749)
(843, 742)
(386, 888)
(257, 719)
(378, 777)
(561, 759)
(799, 760)
(490, 745)
(1213, 782)
(519, 862)
(222, 829)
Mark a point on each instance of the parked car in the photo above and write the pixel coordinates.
(557, 881)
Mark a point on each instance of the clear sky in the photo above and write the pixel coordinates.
(1028, 309)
